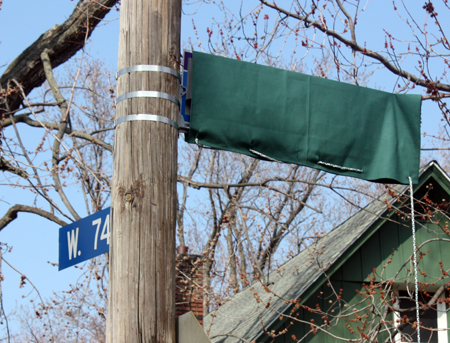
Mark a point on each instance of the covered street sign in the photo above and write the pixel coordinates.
(84, 239)
(285, 116)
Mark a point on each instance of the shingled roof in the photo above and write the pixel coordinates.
(243, 316)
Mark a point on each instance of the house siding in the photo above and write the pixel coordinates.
(385, 252)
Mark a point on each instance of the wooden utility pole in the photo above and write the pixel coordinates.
(142, 253)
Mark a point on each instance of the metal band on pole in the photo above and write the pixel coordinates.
(149, 117)
(144, 67)
(148, 94)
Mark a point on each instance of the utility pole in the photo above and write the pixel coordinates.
(141, 304)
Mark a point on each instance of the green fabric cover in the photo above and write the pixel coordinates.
(296, 118)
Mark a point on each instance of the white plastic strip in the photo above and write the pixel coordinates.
(148, 94)
(441, 308)
(144, 67)
(150, 117)
(416, 281)
(340, 167)
(262, 155)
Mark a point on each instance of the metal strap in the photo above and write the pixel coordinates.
(150, 117)
(144, 67)
(148, 94)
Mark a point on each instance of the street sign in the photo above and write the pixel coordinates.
(185, 108)
(84, 239)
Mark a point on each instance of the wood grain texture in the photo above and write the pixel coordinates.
(142, 260)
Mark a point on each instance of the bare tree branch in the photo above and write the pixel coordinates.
(65, 119)
(6, 166)
(25, 118)
(62, 41)
(361, 49)
(16, 209)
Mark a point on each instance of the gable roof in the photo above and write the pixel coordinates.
(243, 316)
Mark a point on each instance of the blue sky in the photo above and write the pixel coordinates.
(23, 21)
(35, 240)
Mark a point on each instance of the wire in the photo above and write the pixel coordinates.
(416, 282)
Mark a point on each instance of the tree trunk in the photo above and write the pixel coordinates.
(142, 255)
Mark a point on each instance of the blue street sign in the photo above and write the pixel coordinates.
(185, 117)
(84, 239)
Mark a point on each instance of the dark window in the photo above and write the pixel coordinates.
(428, 319)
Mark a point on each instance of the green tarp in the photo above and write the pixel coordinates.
(291, 117)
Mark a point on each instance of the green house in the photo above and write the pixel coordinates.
(356, 284)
